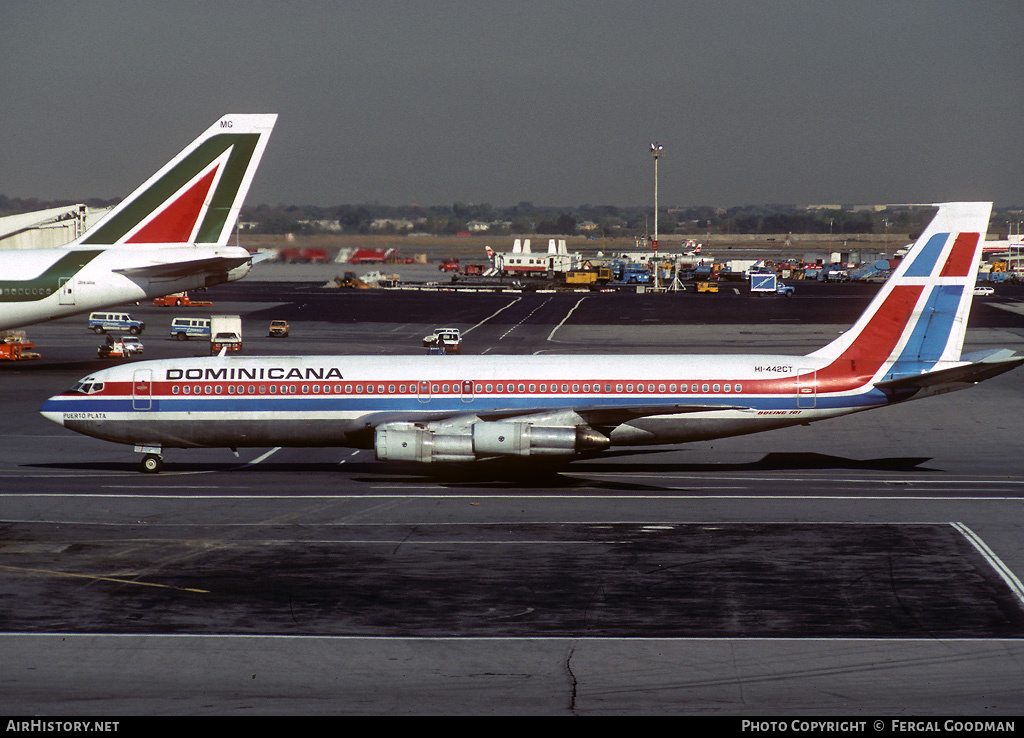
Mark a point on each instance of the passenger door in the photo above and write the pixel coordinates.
(807, 388)
(66, 287)
(142, 389)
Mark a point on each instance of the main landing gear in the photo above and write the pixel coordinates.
(152, 462)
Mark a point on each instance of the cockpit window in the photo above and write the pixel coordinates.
(87, 387)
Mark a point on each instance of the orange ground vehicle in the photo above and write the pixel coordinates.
(180, 299)
(15, 347)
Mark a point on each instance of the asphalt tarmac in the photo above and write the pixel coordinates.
(867, 565)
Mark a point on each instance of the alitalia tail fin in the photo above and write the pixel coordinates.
(195, 198)
(917, 321)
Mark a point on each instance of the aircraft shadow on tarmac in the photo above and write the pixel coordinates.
(551, 475)
(516, 474)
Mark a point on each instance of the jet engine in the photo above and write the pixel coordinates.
(407, 442)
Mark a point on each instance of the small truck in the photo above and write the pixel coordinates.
(769, 284)
(225, 333)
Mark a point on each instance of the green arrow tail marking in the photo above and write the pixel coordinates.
(242, 146)
(38, 288)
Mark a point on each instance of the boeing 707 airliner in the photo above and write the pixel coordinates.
(170, 235)
(461, 409)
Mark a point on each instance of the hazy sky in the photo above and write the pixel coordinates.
(557, 103)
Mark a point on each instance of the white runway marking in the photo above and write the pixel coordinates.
(258, 459)
(528, 316)
(491, 316)
(567, 316)
(1003, 570)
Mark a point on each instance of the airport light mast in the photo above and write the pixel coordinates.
(655, 152)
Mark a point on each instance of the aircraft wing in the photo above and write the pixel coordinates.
(604, 415)
(176, 269)
(597, 416)
(982, 366)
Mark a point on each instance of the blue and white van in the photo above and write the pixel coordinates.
(103, 322)
(186, 328)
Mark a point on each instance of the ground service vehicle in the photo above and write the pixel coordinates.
(15, 346)
(708, 287)
(103, 322)
(180, 299)
(449, 340)
(225, 333)
(119, 348)
(279, 329)
(186, 328)
(767, 283)
(585, 277)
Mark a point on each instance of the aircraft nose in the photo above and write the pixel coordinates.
(51, 410)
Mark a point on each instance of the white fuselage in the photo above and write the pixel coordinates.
(336, 400)
(44, 284)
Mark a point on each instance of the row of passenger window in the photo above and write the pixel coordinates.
(620, 387)
(444, 388)
(262, 389)
(27, 291)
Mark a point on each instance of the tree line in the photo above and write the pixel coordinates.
(595, 220)
(591, 220)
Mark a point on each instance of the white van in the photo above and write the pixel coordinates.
(186, 328)
(103, 322)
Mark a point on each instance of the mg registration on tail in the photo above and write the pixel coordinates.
(467, 409)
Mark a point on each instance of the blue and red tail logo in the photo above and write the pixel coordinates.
(918, 319)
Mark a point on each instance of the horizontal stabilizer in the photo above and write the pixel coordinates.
(177, 269)
(984, 365)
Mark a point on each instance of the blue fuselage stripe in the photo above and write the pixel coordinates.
(230, 405)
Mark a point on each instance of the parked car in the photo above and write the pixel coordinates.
(278, 328)
(984, 291)
(119, 348)
(132, 345)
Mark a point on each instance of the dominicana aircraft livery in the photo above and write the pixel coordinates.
(458, 409)
(170, 235)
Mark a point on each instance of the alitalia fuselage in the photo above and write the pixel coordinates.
(46, 284)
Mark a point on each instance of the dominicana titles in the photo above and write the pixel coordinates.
(261, 372)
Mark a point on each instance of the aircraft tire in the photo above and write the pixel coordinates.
(152, 463)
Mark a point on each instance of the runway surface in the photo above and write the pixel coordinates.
(864, 565)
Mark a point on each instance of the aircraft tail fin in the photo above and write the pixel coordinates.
(195, 198)
(917, 321)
